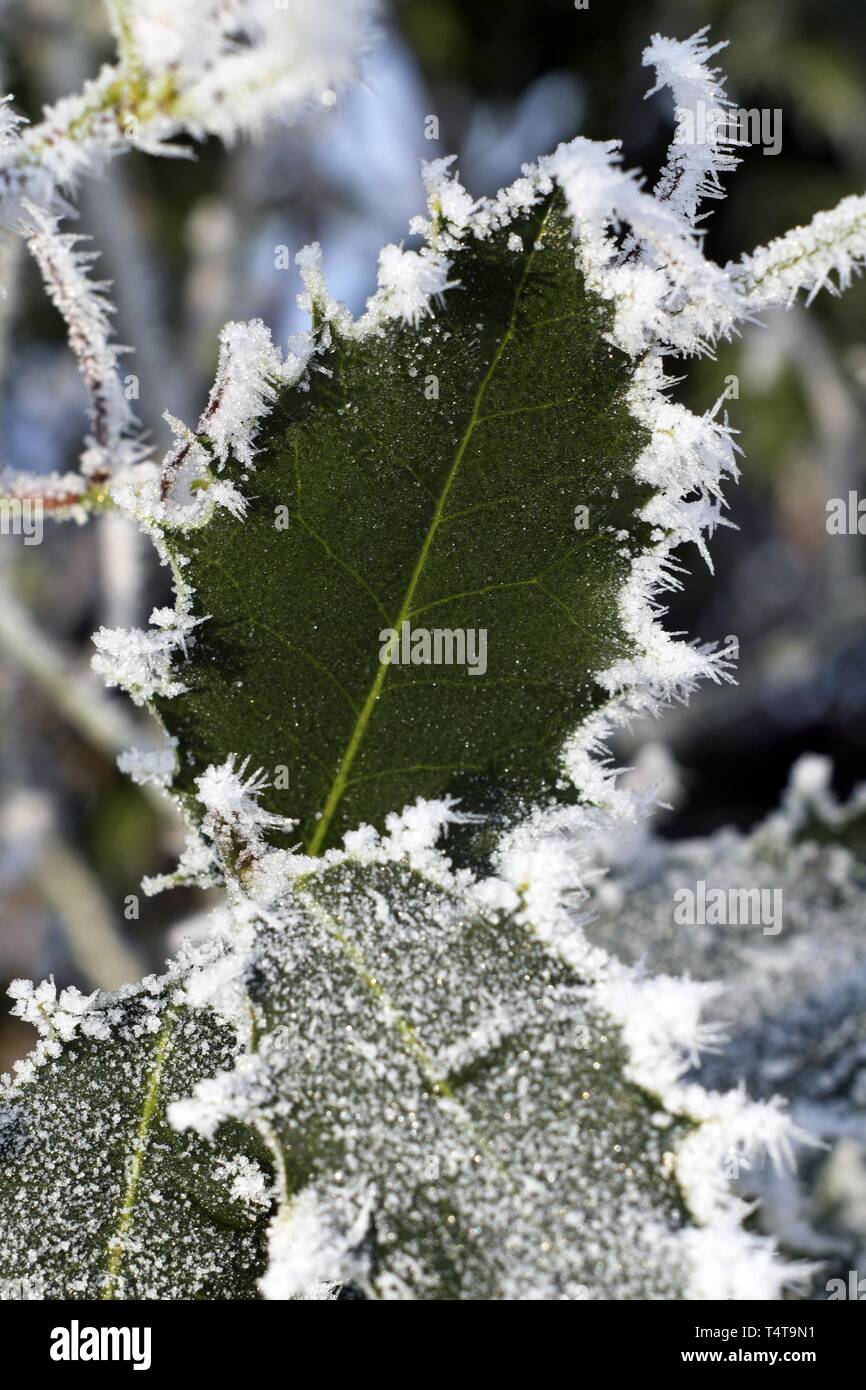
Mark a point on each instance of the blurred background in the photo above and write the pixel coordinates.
(190, 245)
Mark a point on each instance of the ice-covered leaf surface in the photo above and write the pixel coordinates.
(784, 953)
(461, 1125)
(99, 1197)
(456, 1094)
(426, 480)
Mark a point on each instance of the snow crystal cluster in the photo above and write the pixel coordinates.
(150, 767)
(701, 149)
(229, 798)
(141, 662)
(60, 1019)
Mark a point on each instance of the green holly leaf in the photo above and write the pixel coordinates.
(423, 478)
(462, 1125)
(99, 1196)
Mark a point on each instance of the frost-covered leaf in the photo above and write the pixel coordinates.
(792, 1012)
(99, 1197)
(459, 1101)
(426, 549)
(481, 1116)
(685, 907)
(426, 478)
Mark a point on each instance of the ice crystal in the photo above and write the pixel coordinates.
(231, 807)
(410, 282)
(249, 368)
(141, 662)
(701, 147)
(153, 767)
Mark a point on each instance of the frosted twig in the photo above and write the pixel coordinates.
(701, 149)
(122, 21)
(199, 68)
(807, 258)
(63, 496)
(86, 310)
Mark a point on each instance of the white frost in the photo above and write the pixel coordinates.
(142, 663)
(807, 258)
(701, 149)
(306, 1246)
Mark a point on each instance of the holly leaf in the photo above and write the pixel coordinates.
(776, 916)
(450, 1096)
(99, 1196)
(424, 478)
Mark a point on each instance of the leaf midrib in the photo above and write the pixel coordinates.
(116, 1243)
(405, 1033)
(338, 786)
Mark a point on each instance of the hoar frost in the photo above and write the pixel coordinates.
(442, 1131)
(456, 1090)
(141, 662)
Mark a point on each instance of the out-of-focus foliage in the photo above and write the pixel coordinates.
(790, 1015)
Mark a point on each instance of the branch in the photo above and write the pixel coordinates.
(194, 68)
(87, 311)
(63, 496)
(806, 258)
